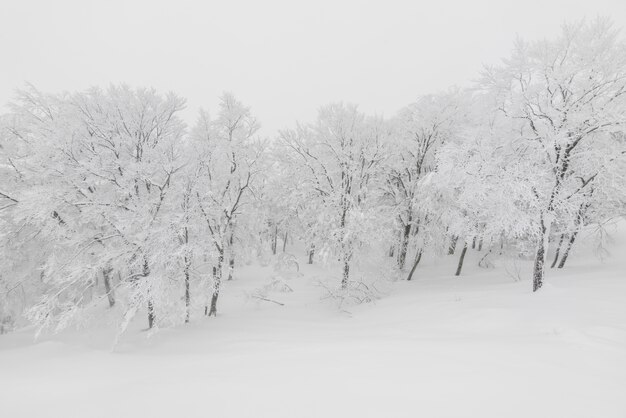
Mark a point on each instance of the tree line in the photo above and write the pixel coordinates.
(107, 197)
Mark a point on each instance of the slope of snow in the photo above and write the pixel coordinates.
(479, 345)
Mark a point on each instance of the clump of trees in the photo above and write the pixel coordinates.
(337, 162)
(108, 198)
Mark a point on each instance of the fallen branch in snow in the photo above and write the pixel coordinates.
(267, 300)
(356, 292)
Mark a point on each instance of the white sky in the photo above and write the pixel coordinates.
(283, 58)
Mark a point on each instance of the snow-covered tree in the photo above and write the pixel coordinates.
(420, 129)
(337, 162)
(568, 96)
(227, 158)
(97, 178)
(478, 190)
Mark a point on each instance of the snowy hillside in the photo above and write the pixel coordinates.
(481, 344)
(457, 254)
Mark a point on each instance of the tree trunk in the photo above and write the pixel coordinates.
(418, 257)
(480, 244)
(460, 266)
(206, 307)
(311, 253)
(346, 273)
(344, 251)
(275, 240)
(285, 242)
(151, 314)
(187, 260)
(231, 253)
(558, 250)
(231, 268)
(579, 222)
(217, 281)
(452, 246)
(106, 273)
(538, 269)
(187, 290)
(404, 244)
(213, 311)
(392, 250)
(567, 250)
(474, 243)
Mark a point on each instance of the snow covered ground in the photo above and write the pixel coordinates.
(479, 345)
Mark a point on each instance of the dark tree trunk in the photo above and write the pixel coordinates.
(106, 273)
(418, 257)
(275, 240)
(567, 250)
(213, 311)
(344, 251)
(151, 314)
(538, 268)
(187, 260)
(404, 245)
(558, 250)
(206, 307)
(217, 281)
(480, 244)
(346, 274)
(452, 246)
(311, 253)
(285, 242)
(231, 260)
(460, 266)
(474, 243)
(187, 290)
(579, 223)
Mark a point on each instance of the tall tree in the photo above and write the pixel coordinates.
(228, 157)
(565, 95)
(337, 160)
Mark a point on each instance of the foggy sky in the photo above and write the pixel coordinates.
(283, 58)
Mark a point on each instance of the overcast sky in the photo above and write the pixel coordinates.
(283, 58)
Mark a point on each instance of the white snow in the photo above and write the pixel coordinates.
(479, 345)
